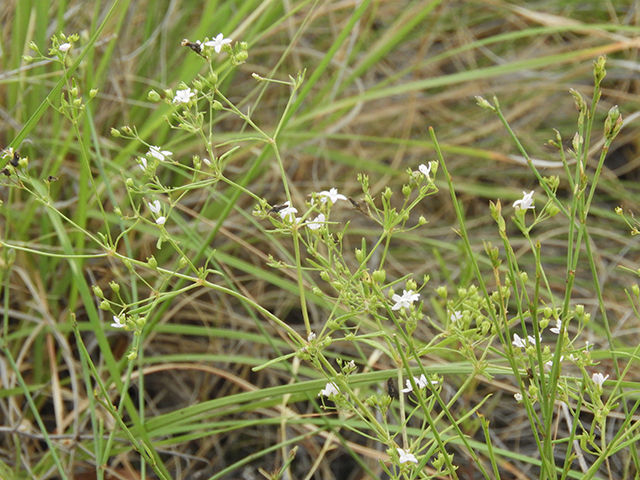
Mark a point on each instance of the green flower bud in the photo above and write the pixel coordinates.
(93, 92)
(379, 276)
(153, 96)
(97, 291)
(104, 305)
(115, 287)
(152, 262)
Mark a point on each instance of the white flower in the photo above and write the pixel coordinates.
(156, 153)
(525, 203)
(549, 365)
(406, 300)
(332, 195)
(420, 383)
(64, 47)
(317, 222)
(118, 322)
(288, 210)
(328, 390)
(455, 316)
(218, 42)
(207, 162)
(161, 220)
(425, 169)
(155, 206)
(598, 379)
(311, 337)
(518, 397)
(518, 342)
(557, 328)
(405, 456)
(183, 96)
(143, 164)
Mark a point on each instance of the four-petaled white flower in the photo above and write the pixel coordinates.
(518, 397)
(518, 342)
(405, 300)
(598, 379)
(288, 210)
(143, 164)
(420, 383)
(332, 195)
(183, 96)
(405, 456)
(64, 47)
(557, 328)
(118, 322)
(218, 42)
(317, 222)
(549, 365)
(311, 337)
(425, 169)
(524, 203)
(155, 206)
(328, 390)
(158, 154)
(455, 316)
(161, 220)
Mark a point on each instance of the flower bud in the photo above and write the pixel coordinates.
(93, 92)
(153, 96)
(379, 276)
(115, 287)
(97, 291)
(152, 262)
(104, 305)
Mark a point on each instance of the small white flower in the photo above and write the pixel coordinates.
(420, 383)
(218, 42)
(183, 96)
(549, 365)
(288, 210)
(598, 379)
(425, 169)
(518, 397)
(332, 195)
(158, 154)
(155, 206)
(518, 342)
(405, 456)
(328, 390)
(64, 47)
(455, 316)
(207, 162)
(161, 220)
(557, 328)
(118, 322)
(143, 163)
(311, 337)
(524, 203)
(405, 300)
(317, 222)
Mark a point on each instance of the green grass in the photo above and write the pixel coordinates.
(215, 375)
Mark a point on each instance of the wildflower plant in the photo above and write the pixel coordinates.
(361, 324)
